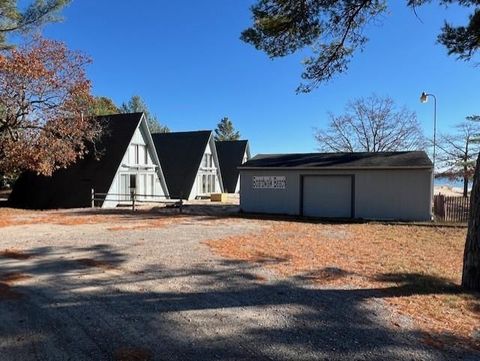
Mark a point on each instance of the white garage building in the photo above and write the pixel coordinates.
(383, 186)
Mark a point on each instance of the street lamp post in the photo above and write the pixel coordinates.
(424, 99)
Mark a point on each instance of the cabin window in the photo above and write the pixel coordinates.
(207, 161)
(138, 154)
(204, 184)
(151, 181)
(142, 154)
(212, 184)
(207, 183)
(135, 154)
(133, 181)
(124, 187)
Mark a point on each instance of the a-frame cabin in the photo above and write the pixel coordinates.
(231, 155)
(125, 159)
(190, 163)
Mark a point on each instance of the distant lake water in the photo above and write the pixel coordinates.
(451, 183)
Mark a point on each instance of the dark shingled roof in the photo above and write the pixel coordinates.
(71, 187)
(230, 157)
(417, 159)
(180, 155)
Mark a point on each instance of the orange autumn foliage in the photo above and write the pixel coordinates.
(44, 103)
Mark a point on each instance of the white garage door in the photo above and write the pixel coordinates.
(327, 196)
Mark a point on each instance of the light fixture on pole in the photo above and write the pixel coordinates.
(424, 99)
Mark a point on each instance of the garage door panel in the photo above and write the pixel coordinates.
(327, 196)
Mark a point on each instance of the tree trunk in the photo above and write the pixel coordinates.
(471, 256)
(465, 187)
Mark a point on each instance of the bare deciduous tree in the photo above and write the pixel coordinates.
(458, 152)
(372, 124)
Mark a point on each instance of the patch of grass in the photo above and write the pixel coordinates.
(416, 269)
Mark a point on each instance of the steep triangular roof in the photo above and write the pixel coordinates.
(71, 187)
(230, 157)
(180, 155)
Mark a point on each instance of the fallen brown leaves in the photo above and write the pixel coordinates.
(7, 281)
(116, 222)
(132, 354)
(15, 217)
(143, 224)
(14, 254)
(89, 262)
(6, 292)
(416, 269)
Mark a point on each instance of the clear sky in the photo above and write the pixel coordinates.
(186, 60)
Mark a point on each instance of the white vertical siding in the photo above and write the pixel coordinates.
(244, 160)
(211, 169)
(130, 166)
(398, 194)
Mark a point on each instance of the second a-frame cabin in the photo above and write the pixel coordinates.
(231, 155)
(126, 160)
(190, 163)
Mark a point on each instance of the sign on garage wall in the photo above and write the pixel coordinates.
(270, 182)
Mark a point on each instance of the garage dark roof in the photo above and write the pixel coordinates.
(71, 187)
(417, 159)
(180, 155)
(230, 157)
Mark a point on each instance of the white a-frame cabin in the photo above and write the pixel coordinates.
(139, 170)
(124, 160)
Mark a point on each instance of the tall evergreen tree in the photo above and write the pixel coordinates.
(226, 131)
(36, 13)
(137, 105)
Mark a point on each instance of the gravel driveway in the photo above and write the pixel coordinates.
(87, 292)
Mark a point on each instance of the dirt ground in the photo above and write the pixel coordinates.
(159, 285)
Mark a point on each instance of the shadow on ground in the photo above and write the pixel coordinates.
(69, 308)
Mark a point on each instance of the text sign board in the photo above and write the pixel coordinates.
(270, 182)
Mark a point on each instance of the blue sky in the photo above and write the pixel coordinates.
(186, 60)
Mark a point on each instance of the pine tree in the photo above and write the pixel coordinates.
(226, 131)
(137, 105)
(14, 20)
(334, 31)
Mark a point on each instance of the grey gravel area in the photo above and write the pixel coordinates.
(161, 294)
